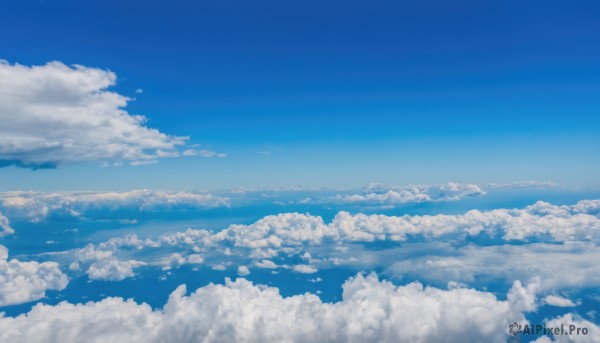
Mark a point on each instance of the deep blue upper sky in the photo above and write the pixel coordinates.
(340, 92)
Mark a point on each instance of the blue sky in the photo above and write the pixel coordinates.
(337, 92)
(340, 171)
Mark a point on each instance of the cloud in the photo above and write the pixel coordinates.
(383, 195)
(292, 234)
(523, 184)
(202, 153)
(268, 264)
(371, 310)
(304, 269)
(55, 114)
(102, 265)
(243, 271)
(555, 300)
(569, 265)
(37, 205)
(22, 282)
(5, 228)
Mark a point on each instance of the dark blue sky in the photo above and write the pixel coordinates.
(396, 91)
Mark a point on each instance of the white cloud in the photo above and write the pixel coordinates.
(304, 269)
(370, 311)
(38, 205)
(56, 114)
(111, 269)
(290, 234)
(570, 265)
(5, 228)
(384, 195)
(555, 300)
(22, 282)
(103, 265)
(268, 264)
(194, 259)
(243, 271)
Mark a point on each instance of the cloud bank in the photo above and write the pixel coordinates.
(486, 264)
(370, 311)
(376, 194)
(293, 234)
(36, 206)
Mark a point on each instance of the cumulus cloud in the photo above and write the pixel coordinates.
(243, 271)
(22, 282)
(268, 264)
(55, 114)
(291, 234)
(384, 195)
(370, 311)
(273, 233)
(103, 265)
(38, 205)
(541, 219)
(5, 228)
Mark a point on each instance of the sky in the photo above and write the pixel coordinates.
(331, 93)
(299, 171)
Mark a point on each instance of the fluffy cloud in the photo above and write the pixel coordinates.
(56, 114)
(290, 234)
(382, 195)
(273, 233)
(102, 265)
(5, 228)
(243, 271)
(22, 282)
(37, 205)
(370, 311)
(304, 269)
(539, 220)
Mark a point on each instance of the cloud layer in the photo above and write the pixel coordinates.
(37, 205)
(383, 195)
(293, 234)
(486, 264)
(55, 114)
(370, 311)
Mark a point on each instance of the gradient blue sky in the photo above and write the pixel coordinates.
(340, 93)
